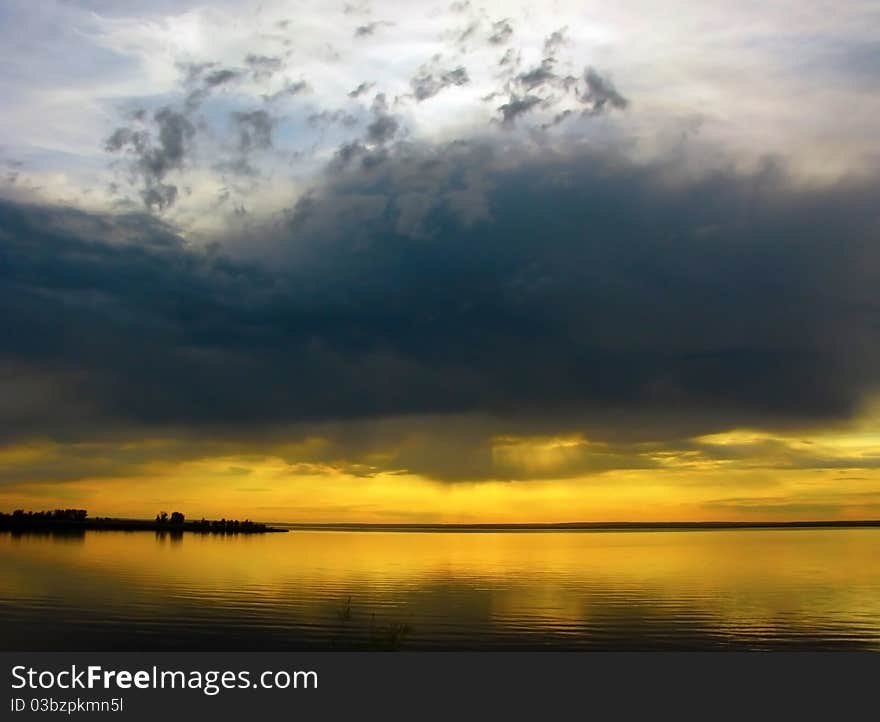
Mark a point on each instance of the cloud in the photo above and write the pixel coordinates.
(154, 159)
(600, 93)
(516, 107)
(555, 41)
(254, 130)
(541, 75)
(344, 155)
(501, 31)
(326, 117)
(382, 129)
(263, 67)
(202, 78)
(175, 131)
(220, 77)
(371, 148)
(566, 289)
(159, 196)
(289, 89)
(511, 58)
(430, 80)
(363, 31)
(361, 89)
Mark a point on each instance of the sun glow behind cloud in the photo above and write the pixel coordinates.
(737, 476)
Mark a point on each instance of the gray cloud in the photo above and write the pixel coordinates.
(599, 93)
(202, 78)
(536, 77)
(254, 130)
(430, 80)
(361, 89)
(467, 33)
(510, 58)
(193, 72)
(554, 41)
(382, 129)
(220, 77)
(289, 89)
(159, 196)
(175, 131)
(516, 107)
(501, 32)
(346, 153)
(154, 160)
(326, 117)
(363, 31)
(263, 66)
(558, 118)
(122, 137)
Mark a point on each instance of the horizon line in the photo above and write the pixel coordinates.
(578, 525)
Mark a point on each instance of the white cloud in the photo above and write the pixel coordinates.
(753, 79)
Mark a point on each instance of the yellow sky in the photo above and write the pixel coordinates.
(738, 475)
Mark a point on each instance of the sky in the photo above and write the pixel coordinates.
(441, 262)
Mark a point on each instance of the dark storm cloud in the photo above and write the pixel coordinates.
(430, 80)
(572, 290)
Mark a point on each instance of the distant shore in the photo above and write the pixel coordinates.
(584, 526)
(223, 526)
(10, 523)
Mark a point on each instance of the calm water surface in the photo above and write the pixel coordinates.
(742, 589)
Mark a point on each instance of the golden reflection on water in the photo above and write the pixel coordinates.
(700, 589)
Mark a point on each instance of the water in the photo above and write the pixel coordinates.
(741, 589)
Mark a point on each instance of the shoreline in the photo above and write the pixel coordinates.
(198, 527)
(132, 525)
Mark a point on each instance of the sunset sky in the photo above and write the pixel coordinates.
(433, 262)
